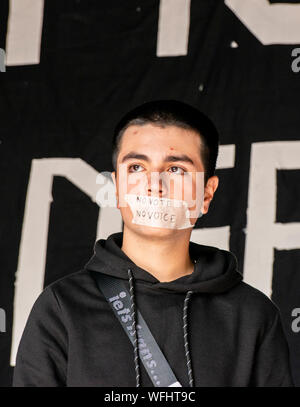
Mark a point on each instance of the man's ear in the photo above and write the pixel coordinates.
(210, 189)
(113, 176)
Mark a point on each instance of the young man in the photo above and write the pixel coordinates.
(212, 328)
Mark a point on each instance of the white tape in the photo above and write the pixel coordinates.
(159, 212)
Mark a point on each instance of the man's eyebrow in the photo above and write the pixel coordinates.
(169, 158)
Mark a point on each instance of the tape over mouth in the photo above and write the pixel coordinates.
(159, 212)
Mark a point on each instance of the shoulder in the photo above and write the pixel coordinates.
(256, 299)
(72, 280)
(256, 307)
(66, 288)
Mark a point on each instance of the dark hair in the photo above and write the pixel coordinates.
(172, 113)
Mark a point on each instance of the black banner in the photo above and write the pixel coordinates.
(74, 67)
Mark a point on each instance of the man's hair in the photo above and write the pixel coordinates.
(164, 113)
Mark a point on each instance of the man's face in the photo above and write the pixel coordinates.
(157, 174)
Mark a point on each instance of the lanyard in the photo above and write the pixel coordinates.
(152, 357)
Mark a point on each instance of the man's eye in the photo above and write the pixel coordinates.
(176, 172)
(132, 166)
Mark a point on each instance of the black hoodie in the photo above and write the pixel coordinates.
(234, 331)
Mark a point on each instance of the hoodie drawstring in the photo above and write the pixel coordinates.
(133, 315)
(185, 331)
(185, 336)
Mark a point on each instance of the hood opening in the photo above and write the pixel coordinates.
(215, 271)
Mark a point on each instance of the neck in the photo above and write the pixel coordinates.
(166, 258)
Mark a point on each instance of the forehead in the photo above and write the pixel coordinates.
(154, 138)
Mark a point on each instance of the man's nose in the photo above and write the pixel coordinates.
(156, 184)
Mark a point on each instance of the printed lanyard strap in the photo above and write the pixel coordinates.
(152, 357)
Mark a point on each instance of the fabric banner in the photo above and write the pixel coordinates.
(70, 69)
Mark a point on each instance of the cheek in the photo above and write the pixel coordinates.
(184, 187)
(132, 183)
(137, 183)
(126, 213)
(194, 192)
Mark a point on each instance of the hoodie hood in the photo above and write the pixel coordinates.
(215, 271)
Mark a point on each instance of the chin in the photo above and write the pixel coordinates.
(153, 232)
